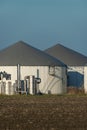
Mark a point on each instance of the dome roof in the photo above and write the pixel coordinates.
(24, 54)
(66, 55)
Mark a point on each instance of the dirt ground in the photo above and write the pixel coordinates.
(43, 112)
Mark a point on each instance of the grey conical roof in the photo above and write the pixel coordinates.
(24, 54)
(67, 55)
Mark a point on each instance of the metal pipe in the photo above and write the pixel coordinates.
(18, 77)
(37, 73)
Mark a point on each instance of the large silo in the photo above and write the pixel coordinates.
(75, 62)
(49, 73)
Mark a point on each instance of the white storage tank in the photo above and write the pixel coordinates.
(21, 59)
(8, 89)
(32, 84)
(54, 82)
(2, 87)
(75, 62)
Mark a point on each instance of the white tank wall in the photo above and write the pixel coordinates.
(49, 84)
(85, 79)
(10, 70)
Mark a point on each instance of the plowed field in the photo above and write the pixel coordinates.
(43, 112)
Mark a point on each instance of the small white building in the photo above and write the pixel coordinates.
(26, 69)
(75, 64)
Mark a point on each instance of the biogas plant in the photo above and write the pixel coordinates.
(26, 69)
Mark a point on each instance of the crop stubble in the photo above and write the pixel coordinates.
(43, 112)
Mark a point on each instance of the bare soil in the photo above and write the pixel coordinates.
(43, 112)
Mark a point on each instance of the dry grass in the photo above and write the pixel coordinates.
(75, 90)
(43, 112)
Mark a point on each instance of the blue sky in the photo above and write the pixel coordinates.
(44, 23)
